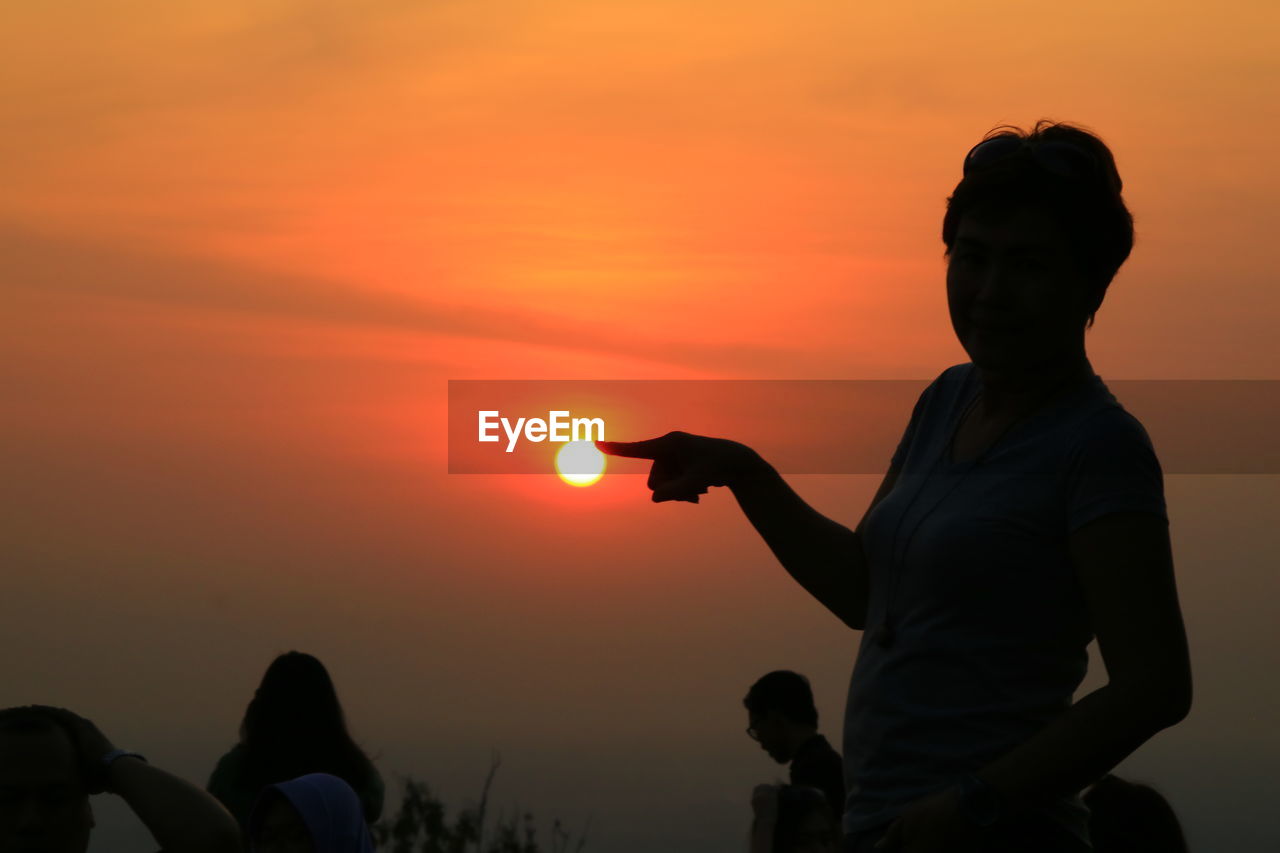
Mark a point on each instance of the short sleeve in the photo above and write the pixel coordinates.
(1112, 467)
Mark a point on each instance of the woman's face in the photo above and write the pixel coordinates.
(1015, 295)
(282, 830)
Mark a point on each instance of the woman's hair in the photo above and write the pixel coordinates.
(1134, 818)
(294, 725)
(1089, 207)
(796, 804)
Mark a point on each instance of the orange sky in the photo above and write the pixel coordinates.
(247, 245)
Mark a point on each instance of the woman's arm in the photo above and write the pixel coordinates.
(1124, 563)
(1125, 566)
(824, 556)
(181, 817)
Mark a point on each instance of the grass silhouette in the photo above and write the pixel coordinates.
(421, 825)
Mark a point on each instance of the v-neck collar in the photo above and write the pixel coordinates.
(968, 395)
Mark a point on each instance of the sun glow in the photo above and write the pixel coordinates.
(579, 463)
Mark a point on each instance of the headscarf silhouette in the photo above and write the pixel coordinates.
(327, 805)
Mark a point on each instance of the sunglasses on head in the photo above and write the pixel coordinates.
(1063, 159)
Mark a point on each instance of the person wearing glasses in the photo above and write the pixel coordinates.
(783, 719)
(1021, 516)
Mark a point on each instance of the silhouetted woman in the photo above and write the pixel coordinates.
(293, 726)
(1022, 514)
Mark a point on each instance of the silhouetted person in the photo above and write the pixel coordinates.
(293, 726)
(52, 761)
(1126, 817)
(1022, 514)
(792, 819)
(316, 813)
(783, 719)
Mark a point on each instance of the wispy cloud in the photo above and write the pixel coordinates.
(52, 265)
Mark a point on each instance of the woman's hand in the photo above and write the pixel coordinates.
(932, 824)
(686, 465)
(90, 745)
(824, 556)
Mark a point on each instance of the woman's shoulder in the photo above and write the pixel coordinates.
(955, 373)
(229, 769)
(233, 758)
(955, 378)
(1104, 420)
(946, 389)
(1109, 445)
(939, 398)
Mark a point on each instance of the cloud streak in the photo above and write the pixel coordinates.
(51, 265)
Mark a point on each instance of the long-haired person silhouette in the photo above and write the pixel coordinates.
(1022, 515)
(293, 726)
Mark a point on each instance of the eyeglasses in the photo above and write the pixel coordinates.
(1063, 159)
(752, 733)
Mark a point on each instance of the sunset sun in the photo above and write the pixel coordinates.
(579, 463)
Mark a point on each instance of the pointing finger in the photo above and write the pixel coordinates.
(650, 448)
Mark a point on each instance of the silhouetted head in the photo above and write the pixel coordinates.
(1133, 818)
(781, 714)
(805, 822)
(315, 813)
(295, 691)
(1034, 232)
(294, 725)
(44, 803)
